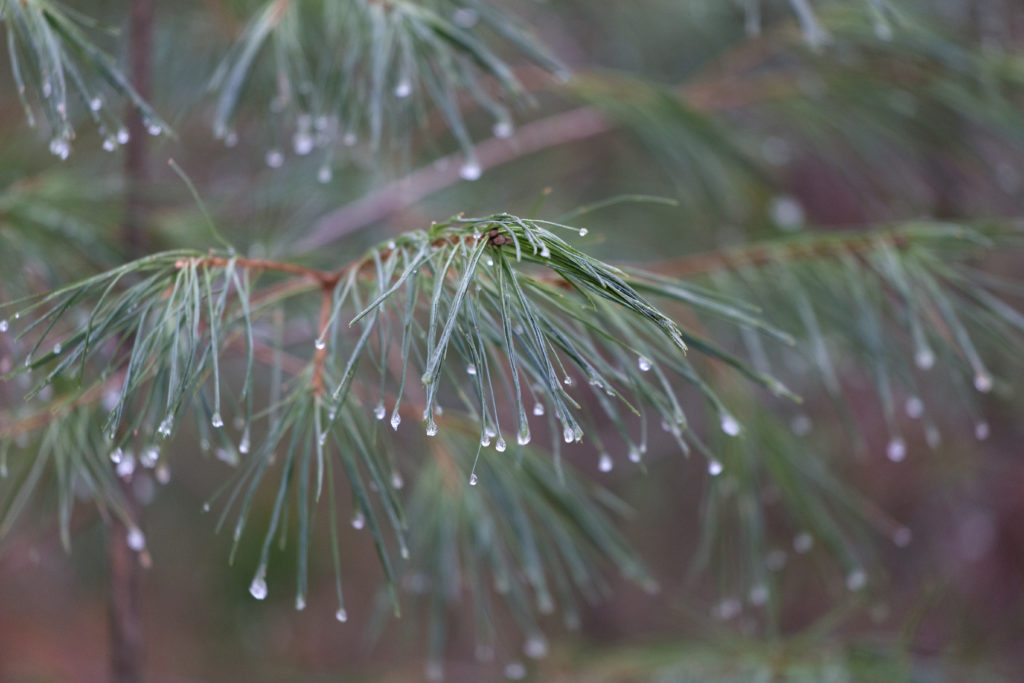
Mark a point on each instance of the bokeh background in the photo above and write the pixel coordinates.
(867, 130)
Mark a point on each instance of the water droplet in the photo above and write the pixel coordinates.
(471, 369)
(502, 129)
(320, 344)
(136, 539)
(896, 450)
(59, 147)
(95, 104)
(243, 445)
(523, 437)
(217, 421)
(538, 409)
(924, 358)
(535, 647)
(109, 144)
(126, 467)
(515, 671)
(981, 431)
(349, 139)
(300, 603)
(325, 174)
(47, 88)
(983, 382)
(883, 30)
(434, 671)
(379, 412)
(274, 158)
(403, 88)
(4, 325)
(714, 468)
(358, 521)
(341, 615)
(803, 542)
(230, 138)
(123, 136)
(801, 425)
(726, 609)
(567, 434)
(729, 425)
(758, 595)
(149, 457)
(490, 261)
(396, 480)
(302, 143)
(583, 232)
(154, 129)
(163, 474)
(787, 213)
(500, 445)
(396, 420)
(567, 381)
(856, 579)
(605, 463)
(116, 456)
(643, 363)
(902, 537)
(485, 440)
(206, 507)
(57, 348)
(470, 171)
(473, 479)
(932, 437)
(258, 587)
(165, 427)
(914, 407)
(432, 429)
(465, 17)
(544, 251)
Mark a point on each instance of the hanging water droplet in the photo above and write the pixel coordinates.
(302, 143)
(896, 450)
(473, 479)
(163, 474)
(803, 542)
(470, 369)
(109, 144)
(243, 445)
(404, 552)
(983, 382)
(300, 603)
(116, 456)
(341, 615)
(320, 344)
(95, 104)
(325, 174)
(523, 437)
(126, 467)
(123, 136)
(583, 232)
(57, 348)
(643, 363)
(932, 437)
(902, 537)
(217, 421)
(567, 434)
(515, 671)
(465, 17)
(634, 454)
(538, 409)
(154, 129)
(577, 433)
(729, 425)
(490, 261)
(403, 88)
(230, 138)
(258, 587)
(396, 480)
(379, 411)
(502, 129)
(787, 213)
(758, 595)
(274, 158)
(914, 407)
(856, 579)
(4, 325)
(981, 431)
(149, 457)
(165, 427)
(470, 171)
(358, 520)
(535, 647)
(136, 539)
(500, 445)
(432, 429)
(396, 420)
(714, 468)
(60, 148)
(544, 251)
(567, 381)
(605, 464)
(349, 139)
(924, 358)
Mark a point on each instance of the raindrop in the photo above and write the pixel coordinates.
(643, 363)
(163, 474)
(379, 412)
(515, 671)
(729, 425)
(567, 381)
(403, 88)
(801, 425)
(126, 467)
(149, 457)
(243, 445)
(396, 480)
(217, 421)
(544, 251)
(258, 587)
(634, 454)
(470, 369)
(465, 17)
(485, 440)
(165, 427)
(583, 232)
(896, 450)
(358, 521)
(714, 468)
(109, 144)
(4, 325)
(803, 542)
(502, 129)
(341, 615)
(302, 143)
(473, 479)
(536, 647)
(432, 429)
(499, 445)
(538, 409)
(57, 348)
(320, 344)
(230, 139)
(136, 539)
(154, 129)
(349, 139)
(914, 407)
(59, 147)
(325, 174)
(924, 358)
(274, 158)
(981, 431)
(758, 595)
(605, 463)
(567, 434)
(856, 579)
(490, 261)
(396, 420)
(932, 436)
(117, 456)
(523, 437)
(95, 104)
(983, 382)
(300, 603)
(470, 171)
(787, 213)
(206, 507)
(47, 88)
(123, 136)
